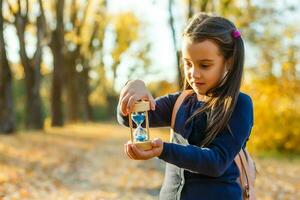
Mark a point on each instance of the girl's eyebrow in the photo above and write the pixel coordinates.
(200, 60)
(205, 60)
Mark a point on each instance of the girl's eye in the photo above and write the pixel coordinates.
(204, 66)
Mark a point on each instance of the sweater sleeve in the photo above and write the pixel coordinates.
(217, 157)
(160, 117)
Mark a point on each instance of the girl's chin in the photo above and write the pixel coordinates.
(199, 91)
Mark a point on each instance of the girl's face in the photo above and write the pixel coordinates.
(204, 65)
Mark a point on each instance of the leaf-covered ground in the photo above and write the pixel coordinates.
(86, 162)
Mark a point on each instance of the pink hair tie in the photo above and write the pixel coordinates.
(235, 34)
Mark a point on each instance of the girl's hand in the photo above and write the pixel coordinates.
(134, 153)
(133, 91)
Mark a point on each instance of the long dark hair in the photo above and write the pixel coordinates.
(223, 97)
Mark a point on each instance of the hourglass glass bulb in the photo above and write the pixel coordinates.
(138, 118)
(140, 134)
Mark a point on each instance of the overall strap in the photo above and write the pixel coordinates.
(178, 103)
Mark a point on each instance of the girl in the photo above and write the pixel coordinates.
(212, 124)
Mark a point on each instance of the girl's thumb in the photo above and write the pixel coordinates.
(152, 102)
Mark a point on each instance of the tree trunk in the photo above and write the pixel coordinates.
(7, 118)
(190, 9)
(289, 68)
(71, 76)
(34, 116)
(56, 88)
(87, 110)
(203, 6)
(57, 48)
(172, 26)
(112, 100)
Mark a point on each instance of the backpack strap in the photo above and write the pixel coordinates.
(247, 174)
(244, 179)
(178, 103)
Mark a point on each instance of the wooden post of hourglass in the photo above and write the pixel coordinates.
(141, 106)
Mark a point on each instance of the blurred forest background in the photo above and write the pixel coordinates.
(63, 62)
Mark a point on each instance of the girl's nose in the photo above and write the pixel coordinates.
(195, 72)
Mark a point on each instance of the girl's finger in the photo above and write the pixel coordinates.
(130, 151)
(132, 154)
(126, 151)
(123, 104)
(124, 91)
(137, 152)
(131, 102)
(144, 155)
(152, 101)
(157, 142)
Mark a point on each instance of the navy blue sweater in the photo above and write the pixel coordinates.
(210, 172)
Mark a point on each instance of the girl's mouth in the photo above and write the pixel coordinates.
(199, 84)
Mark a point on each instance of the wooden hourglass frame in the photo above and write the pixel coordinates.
(141, 106)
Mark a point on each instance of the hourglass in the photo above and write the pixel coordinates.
(139, 114)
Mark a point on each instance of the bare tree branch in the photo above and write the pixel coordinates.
(93, 36)
(27, 9)
(203, 5)
(83, 21)
(73, 13)
(190, 8)
(43, 24)
(173, 32)
(19, 6)
(42, 12)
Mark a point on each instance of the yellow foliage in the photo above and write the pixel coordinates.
(18, 71)
(126, 28)
(276, 114)
(72, 37)
(162, 88)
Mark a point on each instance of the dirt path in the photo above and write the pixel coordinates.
(86, 162)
